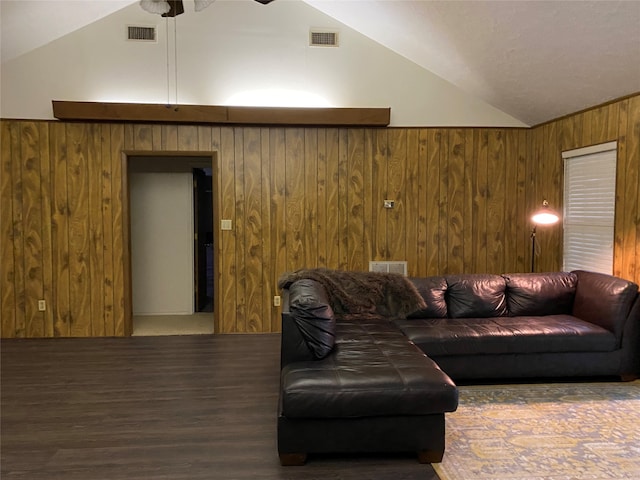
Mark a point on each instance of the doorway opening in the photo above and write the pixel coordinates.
(171, 257)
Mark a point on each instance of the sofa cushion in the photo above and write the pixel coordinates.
(433, 291)
(312, 314)
(476, 296)
(540, 293)
(374, 370)
(500, 335)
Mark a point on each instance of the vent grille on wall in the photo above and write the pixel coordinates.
(389, 267)
(323, 39)
(141, 34)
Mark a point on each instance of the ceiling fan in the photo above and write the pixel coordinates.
(173, 8)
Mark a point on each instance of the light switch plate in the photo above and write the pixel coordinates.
(225, 224)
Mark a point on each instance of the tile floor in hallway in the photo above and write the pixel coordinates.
(156, 325)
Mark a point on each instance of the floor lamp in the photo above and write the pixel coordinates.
(542, 216)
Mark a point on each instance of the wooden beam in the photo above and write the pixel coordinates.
(152, 112)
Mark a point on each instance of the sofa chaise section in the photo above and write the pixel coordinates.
(374, 391)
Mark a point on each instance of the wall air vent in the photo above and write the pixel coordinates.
(389, 267)
(141, 34)
(318, 38)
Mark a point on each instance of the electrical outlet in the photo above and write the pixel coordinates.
(42, 305)
(276, 301)
(225, 224)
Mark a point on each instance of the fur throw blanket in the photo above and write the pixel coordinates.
(385, 294)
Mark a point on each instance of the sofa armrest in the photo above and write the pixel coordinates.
(604, 300)
(293, 348)
(308, 323)
(630, 363)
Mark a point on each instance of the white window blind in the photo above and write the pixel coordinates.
(589, 208)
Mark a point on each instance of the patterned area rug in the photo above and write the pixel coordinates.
(544, 432)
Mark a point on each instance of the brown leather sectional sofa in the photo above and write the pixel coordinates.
(370, 383)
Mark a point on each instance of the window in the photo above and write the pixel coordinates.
(589, 207)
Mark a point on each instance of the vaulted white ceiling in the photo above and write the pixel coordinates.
(535, 60)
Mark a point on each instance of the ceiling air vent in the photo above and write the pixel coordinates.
(141, 34)
(319, 38)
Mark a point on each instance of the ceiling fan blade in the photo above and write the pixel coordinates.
(264, 2)
(202, 4)
(176, 8)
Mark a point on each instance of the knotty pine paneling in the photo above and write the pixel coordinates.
(32, 227)
(239, 229)
(455, 200)
(310, 207)
(59, 232)
(355, 173)
(627, 238)
(79, 138)
(380, 191)
(277, 263)
(106, 204)
(431, 200)
(297, 197)
(9, 303)
(396, 218)
(253, 219)
(618, 121)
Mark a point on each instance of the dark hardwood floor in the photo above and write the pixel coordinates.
(142, 408)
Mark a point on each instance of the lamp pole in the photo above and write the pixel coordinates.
(533, 248)
(543, 216)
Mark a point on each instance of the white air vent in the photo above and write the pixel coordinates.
(389, 267)
(141, 34)
(319, 38)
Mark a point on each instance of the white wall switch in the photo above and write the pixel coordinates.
(225, 224)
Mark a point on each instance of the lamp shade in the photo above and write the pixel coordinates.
(545, 215)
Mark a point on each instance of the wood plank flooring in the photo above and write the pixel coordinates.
(142, 408)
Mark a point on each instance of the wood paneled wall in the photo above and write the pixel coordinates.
(61, 229)
(618, 121)
(297, 197)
